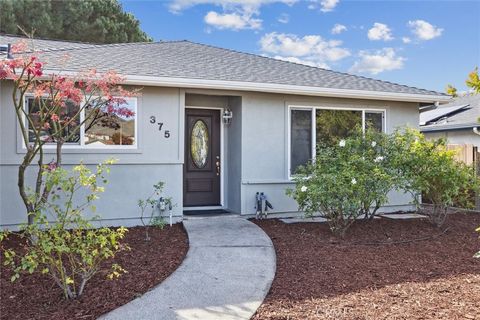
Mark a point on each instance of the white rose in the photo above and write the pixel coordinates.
(342, 143)
(354, 181)
(303, 188)
(374, 144)
(378, 159)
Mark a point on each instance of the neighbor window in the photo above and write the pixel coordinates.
(102, 130)
(331, 125)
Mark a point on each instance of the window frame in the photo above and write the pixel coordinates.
(81, 144)
(313, 110)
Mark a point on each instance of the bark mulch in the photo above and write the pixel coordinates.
(148, 263)
(376, 272)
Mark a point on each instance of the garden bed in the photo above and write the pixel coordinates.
(376, 272)
(148, 264)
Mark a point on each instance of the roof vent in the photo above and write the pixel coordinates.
(6, 48)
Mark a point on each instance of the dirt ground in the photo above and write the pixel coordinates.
(148, 263)
(384, 269)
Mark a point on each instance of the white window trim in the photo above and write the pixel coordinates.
(81, 145)
(313, 110)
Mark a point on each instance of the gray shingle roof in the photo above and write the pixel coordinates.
(188, 60)
(466, 117)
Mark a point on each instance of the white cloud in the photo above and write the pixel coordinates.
(235, 15)
(382, 60)
(324, 5)
(424, 30)
(380, 31)
(338, 28)
(310, 49)
(283, 18)
(406, 40)
(232, 21)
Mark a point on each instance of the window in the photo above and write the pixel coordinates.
(101, 130)
(110, 130)
(301, 137)
(33, 109)
(374, 120)
(330, 126)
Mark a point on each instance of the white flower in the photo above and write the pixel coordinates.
(378, 159)
(354, 181)
(374, 144)
(342, 143)
(303, 188)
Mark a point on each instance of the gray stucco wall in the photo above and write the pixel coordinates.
(255, 151)
(157, 158)
(265, 144)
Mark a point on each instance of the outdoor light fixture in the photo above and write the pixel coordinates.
(227, 116)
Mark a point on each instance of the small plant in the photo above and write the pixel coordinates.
(426, 167)
(347, 180)
(149, 206)
(70, 250)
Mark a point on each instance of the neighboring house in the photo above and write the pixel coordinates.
(456, 121)
(189, 88)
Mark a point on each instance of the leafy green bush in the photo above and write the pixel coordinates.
(69, 249)
(426, 167)
(347, 180)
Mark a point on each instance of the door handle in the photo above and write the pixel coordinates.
(217, 164)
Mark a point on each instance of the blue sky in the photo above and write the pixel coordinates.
(427, 44)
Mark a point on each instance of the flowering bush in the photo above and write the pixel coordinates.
(70, 250)
(55, 96)
(345, 181)
(427, 167)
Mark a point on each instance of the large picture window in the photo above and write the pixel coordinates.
(312, 127)
(101, 130)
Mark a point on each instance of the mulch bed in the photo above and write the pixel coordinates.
(148, 263)
(376, 272)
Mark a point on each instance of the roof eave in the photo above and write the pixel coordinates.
(449, 128)
(272, 88)
(281, 88)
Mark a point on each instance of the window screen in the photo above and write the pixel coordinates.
(374, 120)
(301, 138)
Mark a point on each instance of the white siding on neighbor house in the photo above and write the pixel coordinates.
(465, 136)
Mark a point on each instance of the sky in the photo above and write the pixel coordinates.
(426, 44)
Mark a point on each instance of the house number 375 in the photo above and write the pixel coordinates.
(166, 133)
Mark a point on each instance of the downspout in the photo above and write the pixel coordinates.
(476, 131)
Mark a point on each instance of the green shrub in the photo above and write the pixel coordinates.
(347, 180)
(69, 249)
(426, 167)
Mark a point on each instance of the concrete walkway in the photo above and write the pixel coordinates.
(226, 274)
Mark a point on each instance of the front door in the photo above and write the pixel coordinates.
(201, 171)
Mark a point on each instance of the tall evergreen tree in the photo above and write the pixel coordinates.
(98, 21)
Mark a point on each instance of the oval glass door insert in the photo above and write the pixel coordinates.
(199, 144)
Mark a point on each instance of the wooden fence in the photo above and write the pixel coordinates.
(470, 155)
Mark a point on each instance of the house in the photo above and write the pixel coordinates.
(458, 121)
(216, 125)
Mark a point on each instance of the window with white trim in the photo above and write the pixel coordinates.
(101, 130)
(311, 127)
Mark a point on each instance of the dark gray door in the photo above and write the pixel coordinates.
(201, 171)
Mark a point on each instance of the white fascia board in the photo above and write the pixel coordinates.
(272, 88)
